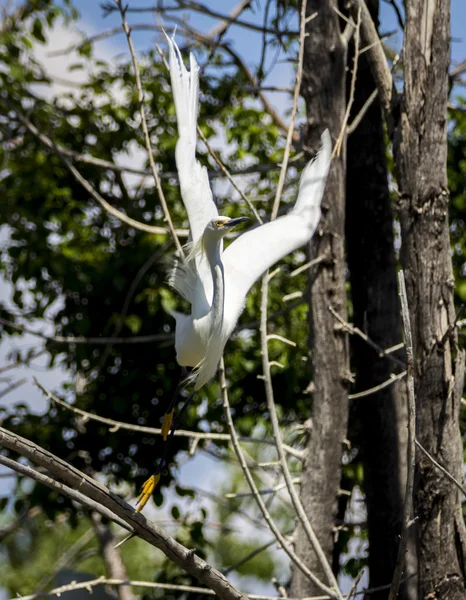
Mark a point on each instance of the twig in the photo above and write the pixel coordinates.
(228, 176)
(448, 475)
(145, 129)
(23, 361)
(376, 57)
(308, 265)
(57, 339)
(258, 498)
(397, 12)
(342, 134)
(246, 70)
(94, 495)
(354, 587)
(294, 109)
(377, 388)
(92, 583)
(195, 435)
(359, 117)
(219, 30)
(266, 364)
(12, 386)
(85, 183)
(411, 459)
(351, 329)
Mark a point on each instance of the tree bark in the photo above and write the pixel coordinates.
(380, 417)
(112, 557)
(323, 89)
(420, 146)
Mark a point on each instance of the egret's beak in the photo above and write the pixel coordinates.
(235, 222)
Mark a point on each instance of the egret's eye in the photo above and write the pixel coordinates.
(219, 223)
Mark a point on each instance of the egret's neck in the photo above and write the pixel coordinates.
(213, 248)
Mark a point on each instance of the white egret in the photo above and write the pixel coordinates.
(215, 282)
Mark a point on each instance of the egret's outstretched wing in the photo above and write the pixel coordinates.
(194, 181)
(249, 256)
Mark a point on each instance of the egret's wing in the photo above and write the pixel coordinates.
(194, 181)
(249, 256)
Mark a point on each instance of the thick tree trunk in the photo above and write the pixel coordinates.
(324, 92)
(371, 261)
(420, 146)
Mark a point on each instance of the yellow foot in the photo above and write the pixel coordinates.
(147, 489)
(167, 424)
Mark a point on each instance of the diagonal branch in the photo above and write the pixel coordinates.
(411, 459)
(257, 496)
(196, 436)
(266, 364)
(85, 183)
(377, 60)
(94, 495)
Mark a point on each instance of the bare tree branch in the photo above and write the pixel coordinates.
(96, 496)
(87, 186)
(448, 475)
(258, 498)
(194, 435)
(411, 460)
(376, 57)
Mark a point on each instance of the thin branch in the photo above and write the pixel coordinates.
(309, 265)
(294, 110)
(381, 386)
(23, 361)
(266, 364)
(258, 498)
(448, 475)
(96, 496)
(85, 183)
(57, 339)
(351, 329)
(219, 30)
(250, 556)
(12, 386)
(246, 70)
(231, 19)
(102, 36)
(343, 130)
(411, 458)
(377, 59)
(359, 117)
(229, 177)
(145, 129)
(194, 435)
(397, 10)
(92, 583)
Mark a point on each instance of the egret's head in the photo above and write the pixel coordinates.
(223, 225)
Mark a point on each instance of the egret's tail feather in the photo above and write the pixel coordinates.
(185, 86)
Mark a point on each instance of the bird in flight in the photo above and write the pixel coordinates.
(213, 280)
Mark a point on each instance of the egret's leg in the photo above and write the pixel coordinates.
(168, 417)
(168, 429)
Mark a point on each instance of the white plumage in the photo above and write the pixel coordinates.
(214, 281)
